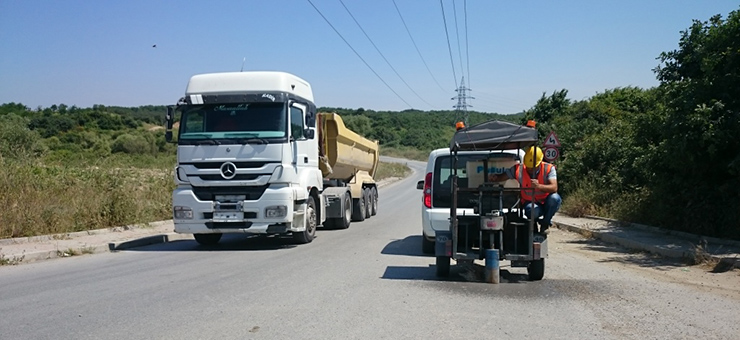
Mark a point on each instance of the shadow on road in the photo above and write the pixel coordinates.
(229, 242)
(624, 255)
(409, 246)
(466, 272)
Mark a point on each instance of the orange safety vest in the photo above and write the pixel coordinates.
(539, 196)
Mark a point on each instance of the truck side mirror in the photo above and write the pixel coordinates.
(420, 185)
(311, 118)
(308, 133)
(168, 136)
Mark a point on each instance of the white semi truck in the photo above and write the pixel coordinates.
(253, 156)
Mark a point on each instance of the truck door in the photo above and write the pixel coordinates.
(305, 150)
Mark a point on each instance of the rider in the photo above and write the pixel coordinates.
(543, 178)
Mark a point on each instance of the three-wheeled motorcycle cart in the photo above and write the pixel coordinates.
(498, 228)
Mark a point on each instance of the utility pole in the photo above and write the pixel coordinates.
(461, 108)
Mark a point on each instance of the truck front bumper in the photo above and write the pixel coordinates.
(250, 218)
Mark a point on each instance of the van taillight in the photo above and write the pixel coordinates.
(428, 190)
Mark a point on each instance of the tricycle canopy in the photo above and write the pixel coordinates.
(494, 135)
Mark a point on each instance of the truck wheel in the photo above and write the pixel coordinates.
(374, 199)
(344, 221)
(307, 235)
(536, 270)
(358, 208)
(368, 203)
(427, 247)
(443, 266)
(207, 239)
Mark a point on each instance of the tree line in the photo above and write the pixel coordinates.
(667, 156)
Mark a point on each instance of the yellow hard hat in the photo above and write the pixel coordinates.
(529, 157)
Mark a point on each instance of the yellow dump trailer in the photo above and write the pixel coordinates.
(349, 161)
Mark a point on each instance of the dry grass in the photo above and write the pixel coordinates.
(15, 260)
(56, 199)
(388, 170)
(581, 203)
(405, 152)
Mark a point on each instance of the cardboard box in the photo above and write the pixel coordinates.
(474, 171)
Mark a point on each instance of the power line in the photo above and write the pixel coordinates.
(449, 48)
(467, 53)
(417, 47)
(381, 54)
(457, 35)
(358, 55)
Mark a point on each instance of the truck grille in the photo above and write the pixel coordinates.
(251, 192)
(217, 165)
(243, 177)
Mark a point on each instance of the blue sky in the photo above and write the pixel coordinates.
(100, 52)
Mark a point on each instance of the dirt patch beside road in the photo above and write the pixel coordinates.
(698, 276)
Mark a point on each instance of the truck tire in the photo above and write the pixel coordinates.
(207, 239)
(374, 198)
(536, 270)
(346, 219)
(368, 203)
(308, 234)
(443, 266)
(358, 209)
(427, 247)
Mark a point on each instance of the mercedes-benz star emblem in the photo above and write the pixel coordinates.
(228, 170)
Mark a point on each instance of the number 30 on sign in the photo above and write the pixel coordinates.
(551, 154)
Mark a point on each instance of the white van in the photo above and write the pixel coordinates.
(437, 187)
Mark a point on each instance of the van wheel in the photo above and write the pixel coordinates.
(309, 233)
(374, 199)
(443, 266)
(358, 208)
(207, 239)
(427, 247)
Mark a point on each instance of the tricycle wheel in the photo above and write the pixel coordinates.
(443, 266)
(536, 270)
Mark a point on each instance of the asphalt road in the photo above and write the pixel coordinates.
(367, 282)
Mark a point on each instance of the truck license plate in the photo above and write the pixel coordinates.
(228, 216)
(492, 223)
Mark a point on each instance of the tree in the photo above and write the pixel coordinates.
(700, 153)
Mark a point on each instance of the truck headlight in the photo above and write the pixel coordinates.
(183, 213)
(276, 211)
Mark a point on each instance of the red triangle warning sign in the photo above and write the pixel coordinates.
(552, 140)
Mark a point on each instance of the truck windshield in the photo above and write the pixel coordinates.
(238, 123)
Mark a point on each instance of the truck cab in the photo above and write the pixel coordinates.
(247, 157)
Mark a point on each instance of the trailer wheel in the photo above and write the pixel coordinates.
(308, 234)
(374, 199)
(443, 266)
(536, 270)
(368, 203)
(207, 239)
(358, 208)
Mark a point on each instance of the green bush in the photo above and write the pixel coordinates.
(17, 141)
(133, 144)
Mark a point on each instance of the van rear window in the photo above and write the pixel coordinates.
(469, 173)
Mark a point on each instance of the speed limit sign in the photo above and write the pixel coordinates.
(551, 154)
